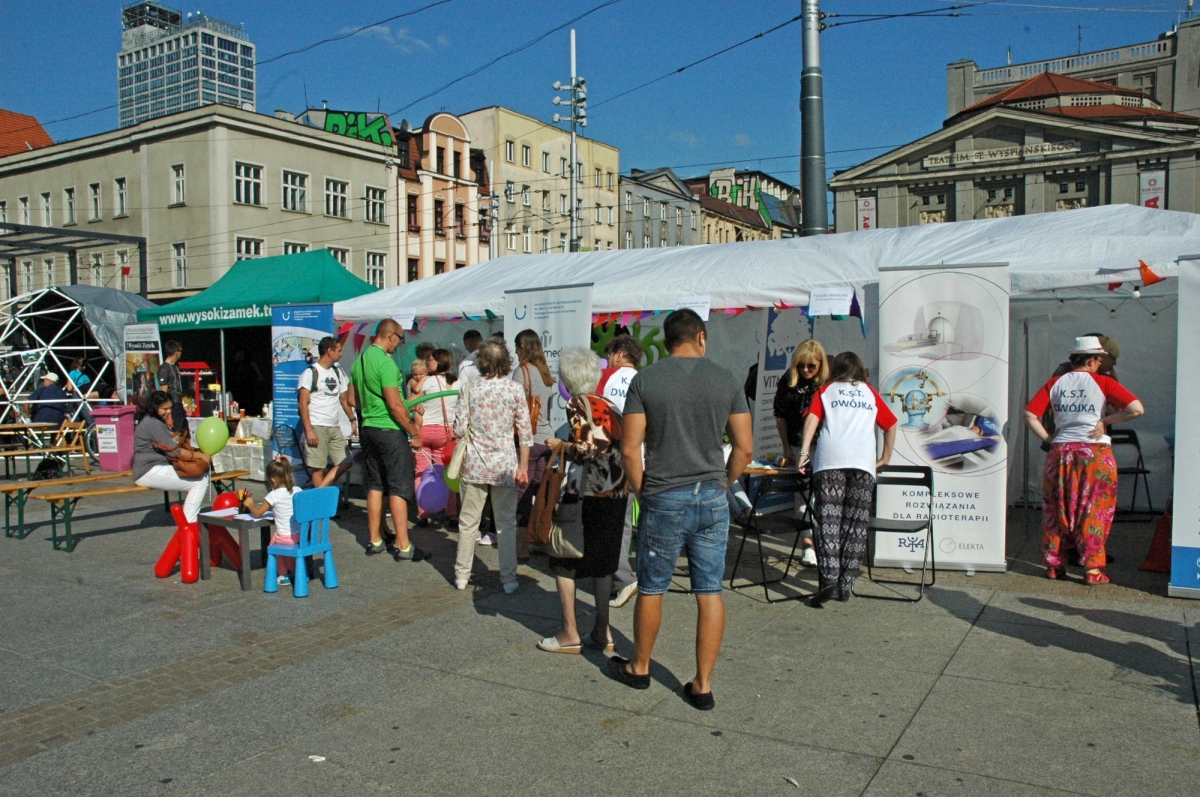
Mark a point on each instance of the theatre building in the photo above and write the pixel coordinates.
(1050, 143)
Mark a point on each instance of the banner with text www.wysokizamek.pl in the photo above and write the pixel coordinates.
(943, 369)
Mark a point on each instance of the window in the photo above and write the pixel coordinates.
(335, 197)
(941, 199)
(96, 269)
(693, 214)
(645, 207)
(247, 184)
(414, 269)
(509, 147)
(3, 215)
(599, 214)
(69, 196)
(599, 179)
(526, 156)
(94, 202)
(562, 242)
(1008, 192)
(511, 238)
(294, 248)
(457, 158)
(441, 160)
(122, 196)
(612, 215)
(178, 183)
(340, 255)
(526, 240)
(610, 187)
(564, 207)
(439, 267)
(376, 268)
(545, 241)
(47, 215)
(525, 195)
(439, 221)
(27, 276)
(662, 241)
(248, 248)
(24, 203)
(645, 241)
(48, 266)
(1079, 186)
(579, 172)
(295, 192)
(510, 191)
(180, 264)
(460, 221)
(546, 162)
(413, 226)
(546, 200)
(628, 239)
(123, 268)
(991, 193)
(662, 211)
(628, 202)
(376, 202)
(562, 167)
(1064, 188)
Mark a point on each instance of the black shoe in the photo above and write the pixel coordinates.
(825, 594)
(616, 669)
(844, 595)
(704, 702)
(423, 523)
(410, 554)
(376, 548)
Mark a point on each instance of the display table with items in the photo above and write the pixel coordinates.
(243, 454)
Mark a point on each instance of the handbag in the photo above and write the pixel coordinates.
(184, 468)
(454, 469)
(557, 526)
(533, 402)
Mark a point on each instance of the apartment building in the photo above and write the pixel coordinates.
(528, 164)
(657, 209)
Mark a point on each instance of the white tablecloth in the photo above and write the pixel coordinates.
(242, 456)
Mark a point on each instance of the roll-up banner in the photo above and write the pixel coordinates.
(781, 332)
(562, 317)
(1185, 520)
(296, 329)
(139, 370)
(943, 362)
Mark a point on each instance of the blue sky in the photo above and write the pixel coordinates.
(884, 81)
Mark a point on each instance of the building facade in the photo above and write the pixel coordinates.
(777, 203)
(1165, 70)
(170, 62)
(528, 167)
(208, 187)
(657, 209)
(1051, 143)
(722, 222)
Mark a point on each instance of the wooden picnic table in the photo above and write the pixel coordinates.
(244, 523)
(17, 493)
(24, 427)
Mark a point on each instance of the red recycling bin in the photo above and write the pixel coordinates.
(114, 436)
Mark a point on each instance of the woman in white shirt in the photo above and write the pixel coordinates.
(436, 421)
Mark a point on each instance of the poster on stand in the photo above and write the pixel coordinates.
(139, 376)
(782, 331)
(1185, 512)
(562, 317)
(943, 365)
(296, 329)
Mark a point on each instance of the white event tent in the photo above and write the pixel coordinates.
(1060, 264)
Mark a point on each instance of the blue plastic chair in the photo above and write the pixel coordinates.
(312, 509)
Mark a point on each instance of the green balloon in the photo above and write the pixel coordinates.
(412, 403)
(212, 435)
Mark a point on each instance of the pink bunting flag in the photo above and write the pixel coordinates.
(345, 328)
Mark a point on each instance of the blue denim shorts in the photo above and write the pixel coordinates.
(694, 519)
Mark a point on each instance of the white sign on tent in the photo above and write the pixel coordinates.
(943, 364)
(1185, 521)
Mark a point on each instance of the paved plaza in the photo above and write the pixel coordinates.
(113, 682)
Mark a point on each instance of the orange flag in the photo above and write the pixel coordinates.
(1148, 275)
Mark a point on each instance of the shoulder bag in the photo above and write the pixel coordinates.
(557, 527)
(454, 469)
(533, 402)
(184, 468)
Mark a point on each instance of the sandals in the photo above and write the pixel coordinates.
(1096, 578)
(1056, 573)
(551, 645)
(607, 647)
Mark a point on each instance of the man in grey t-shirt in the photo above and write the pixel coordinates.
(680, 408)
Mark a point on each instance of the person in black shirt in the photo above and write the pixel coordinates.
(171, 383)
(48, 404)
(808, 370)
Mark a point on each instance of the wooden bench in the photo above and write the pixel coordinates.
(63, 504)
(17, 493)
(68, 441)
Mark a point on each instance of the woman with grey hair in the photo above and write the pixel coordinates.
(595, 445)
(491, 407)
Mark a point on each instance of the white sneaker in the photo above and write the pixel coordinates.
(510, 587)
(486, 539)
(623, 596)
(809, 559)
(460, 583)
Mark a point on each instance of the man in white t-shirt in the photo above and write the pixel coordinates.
(323, 398)
(467, 369)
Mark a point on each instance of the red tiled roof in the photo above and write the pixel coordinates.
(21, 133)
(739, 214)
(1118, 112)
(1049, 84)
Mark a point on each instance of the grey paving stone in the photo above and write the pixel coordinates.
(902, 777)
(285, 770)
(1088, 613)
(25, 681)
(1112, 664)
(142, 757)
(1062, 740)
(656, 757)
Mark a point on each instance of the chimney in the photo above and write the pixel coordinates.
(286, 116)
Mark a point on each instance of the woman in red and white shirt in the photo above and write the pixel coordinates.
(1079, 486)
(847, 410)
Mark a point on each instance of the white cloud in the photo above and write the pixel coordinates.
(442, 40)
(686, 138)
(742, 140)
(399, 39)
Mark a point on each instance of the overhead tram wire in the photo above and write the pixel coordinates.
(353, 32)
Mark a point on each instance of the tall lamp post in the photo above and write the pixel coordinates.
(812, 127)
(577, 103)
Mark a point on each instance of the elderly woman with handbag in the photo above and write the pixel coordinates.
(487, 462)
(595, 446)
(162, 459)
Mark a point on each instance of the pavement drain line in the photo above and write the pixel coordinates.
(30, 730)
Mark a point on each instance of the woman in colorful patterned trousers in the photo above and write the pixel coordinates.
(1079, 487)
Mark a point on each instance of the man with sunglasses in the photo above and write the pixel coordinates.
(388, 437)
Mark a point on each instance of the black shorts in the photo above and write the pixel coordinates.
(389, 462)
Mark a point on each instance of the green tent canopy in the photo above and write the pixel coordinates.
(243, 297)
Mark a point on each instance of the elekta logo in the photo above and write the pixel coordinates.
(948, 545)
(520, 314)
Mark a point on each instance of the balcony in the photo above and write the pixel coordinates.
(1077, 63)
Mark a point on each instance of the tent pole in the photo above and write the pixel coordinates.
(224, 387)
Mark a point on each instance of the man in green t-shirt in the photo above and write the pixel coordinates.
(388, 438)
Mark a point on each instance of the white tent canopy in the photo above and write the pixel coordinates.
(1044, 251)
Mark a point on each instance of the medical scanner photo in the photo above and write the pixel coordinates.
(916, 390)
(967, 438)
(943, 329)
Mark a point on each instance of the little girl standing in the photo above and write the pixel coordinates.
(279, 499)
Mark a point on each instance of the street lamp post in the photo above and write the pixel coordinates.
(577, 117)
(812, 127)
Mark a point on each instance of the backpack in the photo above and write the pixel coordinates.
(48, 468)
(337, 369)
(534, 402)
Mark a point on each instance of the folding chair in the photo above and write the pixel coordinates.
(911, 476)
(785, 484)
(1128, 437)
